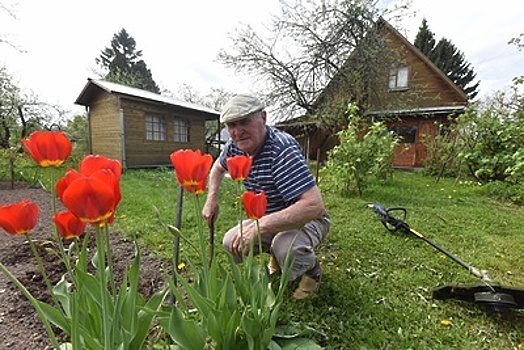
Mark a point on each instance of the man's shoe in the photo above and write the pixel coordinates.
(309, 283)
(306, 287)
(273, 266)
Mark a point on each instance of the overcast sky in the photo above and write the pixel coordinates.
(180, 40)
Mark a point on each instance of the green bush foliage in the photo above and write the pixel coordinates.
(485, 141)
(360, 155)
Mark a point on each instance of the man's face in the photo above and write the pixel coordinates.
(249, 133)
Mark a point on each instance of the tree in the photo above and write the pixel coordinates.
(448, 59)
(123, 64)
(9, 10)
(425, 39)
(306, 46)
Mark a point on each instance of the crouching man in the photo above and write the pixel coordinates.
(295, 207)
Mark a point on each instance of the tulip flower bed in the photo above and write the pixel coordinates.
(20, 327)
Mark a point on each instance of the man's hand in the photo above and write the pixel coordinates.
(210, 212)
(249, 232)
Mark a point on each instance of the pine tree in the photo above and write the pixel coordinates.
(448, 59)
(123, 63)
(425, 39)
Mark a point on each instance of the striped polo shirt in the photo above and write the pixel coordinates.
(279, 169)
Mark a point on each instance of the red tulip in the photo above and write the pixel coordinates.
(93, 193)
(91, 198)
(239, 167)
(65, 181)
(18, 218)
(92, 163)
(255, 204)
(48, 148)
(191, 169)
(68, 225)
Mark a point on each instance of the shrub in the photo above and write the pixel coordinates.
(361, 153)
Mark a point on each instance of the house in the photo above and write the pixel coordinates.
(411, 95)
(140, 128)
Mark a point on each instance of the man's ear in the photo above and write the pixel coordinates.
(263, 114)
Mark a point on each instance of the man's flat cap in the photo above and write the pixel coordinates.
(240, 107)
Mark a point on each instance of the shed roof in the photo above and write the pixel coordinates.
(94, 85)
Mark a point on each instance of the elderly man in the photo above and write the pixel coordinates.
(295, 206)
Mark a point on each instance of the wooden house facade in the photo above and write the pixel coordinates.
(411, 95)
(140, 128)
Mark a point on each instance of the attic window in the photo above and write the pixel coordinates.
(398, 78)
(155, 130)
(181, 130)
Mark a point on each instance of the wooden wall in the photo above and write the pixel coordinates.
(107, 137)
(412, 155)
(141, 152)
(104, 126)
(427, 87)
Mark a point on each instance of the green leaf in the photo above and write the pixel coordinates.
(185, 333)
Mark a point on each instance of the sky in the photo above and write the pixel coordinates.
(180, 40)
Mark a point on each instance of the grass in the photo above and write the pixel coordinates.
(377, 286)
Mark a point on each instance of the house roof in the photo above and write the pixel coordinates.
(423, 57)
(421, 111)
(93, 86)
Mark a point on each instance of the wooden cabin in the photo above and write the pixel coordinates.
(140, 128)
(414, 98)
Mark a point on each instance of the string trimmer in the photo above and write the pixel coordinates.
(486, 292)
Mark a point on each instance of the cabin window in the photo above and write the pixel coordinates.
(155, 130)
(181, 130)
(407, 134)
(398, 78)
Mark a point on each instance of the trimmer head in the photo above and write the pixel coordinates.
(492, 297)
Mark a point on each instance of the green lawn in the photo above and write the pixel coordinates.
(377, 286)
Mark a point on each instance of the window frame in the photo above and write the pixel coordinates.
(155, 128)
(181, 130)
(398, 78)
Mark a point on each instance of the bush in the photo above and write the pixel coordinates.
(359, 155)
(504, 191)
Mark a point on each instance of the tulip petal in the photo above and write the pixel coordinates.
(90, 199)
(48, 148)
(239, 167)
(92, 163)
(192, 169)
(18, 218)
(255, 204)
(68, 225)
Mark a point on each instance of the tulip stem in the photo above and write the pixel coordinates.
(203, 247)
(101, 269)
(42, 269)
(240, 211)
(65, 257)
(259, 237)
(109, 258)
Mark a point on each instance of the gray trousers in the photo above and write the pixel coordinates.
(302, 252)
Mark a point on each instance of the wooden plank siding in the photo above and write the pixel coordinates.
(412, 155)
(427, 86)
(142, 152)
(104, 128)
